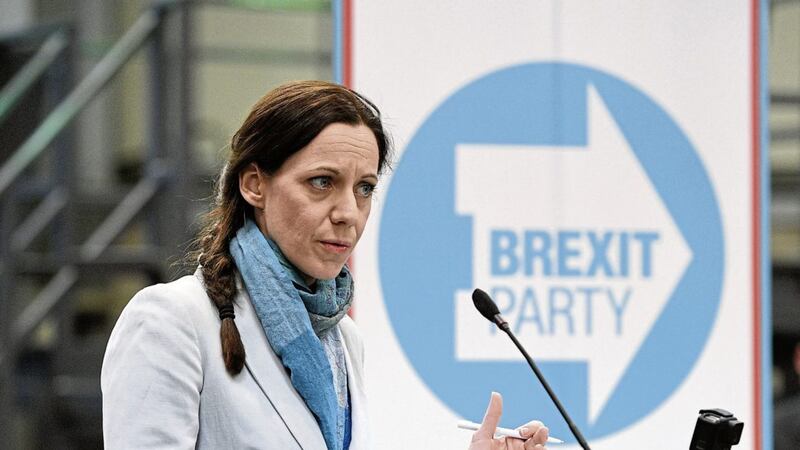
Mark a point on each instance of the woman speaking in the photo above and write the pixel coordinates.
(255, 350)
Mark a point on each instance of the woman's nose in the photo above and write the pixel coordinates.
(345, 210)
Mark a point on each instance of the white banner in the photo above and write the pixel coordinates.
(594, 167)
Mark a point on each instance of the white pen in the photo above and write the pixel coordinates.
(500, 432)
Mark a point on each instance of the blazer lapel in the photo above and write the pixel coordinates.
(268, 372)
(359, 432)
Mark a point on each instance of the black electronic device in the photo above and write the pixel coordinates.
(716, 429)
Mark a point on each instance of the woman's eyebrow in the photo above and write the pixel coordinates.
(326, 169)
(335, 171)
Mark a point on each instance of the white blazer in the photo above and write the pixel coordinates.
(165, 385)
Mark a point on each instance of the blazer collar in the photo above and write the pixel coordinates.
(270, 375)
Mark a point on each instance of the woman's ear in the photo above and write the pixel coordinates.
(251, 186)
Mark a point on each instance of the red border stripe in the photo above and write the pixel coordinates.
(756, 200)
(347, 80)
(347, 44)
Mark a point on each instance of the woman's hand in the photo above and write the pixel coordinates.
(483, 439)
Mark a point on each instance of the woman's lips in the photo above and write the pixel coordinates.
(336, 246)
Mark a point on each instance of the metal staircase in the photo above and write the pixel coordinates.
(56, 239)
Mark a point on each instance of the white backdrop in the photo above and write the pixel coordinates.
(693, 61)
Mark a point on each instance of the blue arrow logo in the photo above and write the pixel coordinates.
(476, 201)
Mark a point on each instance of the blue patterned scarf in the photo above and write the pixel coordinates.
(292, 320)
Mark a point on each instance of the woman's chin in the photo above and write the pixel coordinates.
(328, 272)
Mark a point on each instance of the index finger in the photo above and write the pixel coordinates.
(491, 418)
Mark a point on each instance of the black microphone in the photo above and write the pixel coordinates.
(486, 306)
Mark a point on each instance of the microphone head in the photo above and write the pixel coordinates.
(485, 305)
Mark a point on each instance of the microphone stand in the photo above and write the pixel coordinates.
(503, 325)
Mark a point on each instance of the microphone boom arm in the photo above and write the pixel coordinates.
(503, 325)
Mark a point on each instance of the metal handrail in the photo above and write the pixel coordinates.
(36, 222)
(38, 310)
(67, 277)
(71, 263)
(124, 213)
(27, 76)
(88, 89)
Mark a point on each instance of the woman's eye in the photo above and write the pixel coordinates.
(320, 182)
(365, 189)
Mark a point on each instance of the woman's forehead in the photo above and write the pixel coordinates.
(340, 144)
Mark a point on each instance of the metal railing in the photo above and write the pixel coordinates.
(55, 45)
(166, 161)
(88, 89)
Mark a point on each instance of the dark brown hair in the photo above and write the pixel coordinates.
(281, 123)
